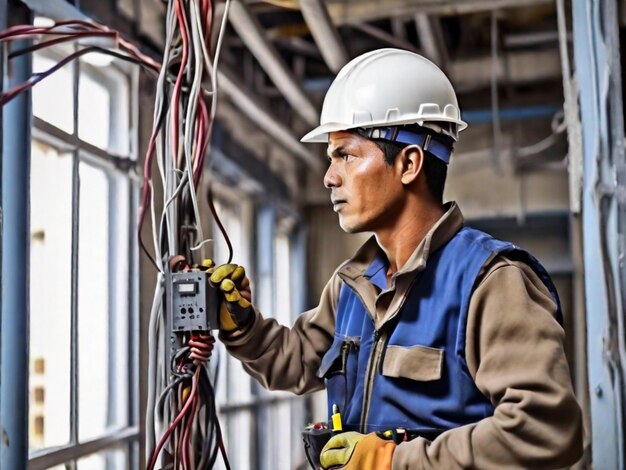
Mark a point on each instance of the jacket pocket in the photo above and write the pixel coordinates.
(336, 358)
(339, 371)
(421, 363)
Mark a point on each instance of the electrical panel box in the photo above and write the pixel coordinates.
(192, 304)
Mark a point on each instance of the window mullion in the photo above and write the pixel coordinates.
(74, 379)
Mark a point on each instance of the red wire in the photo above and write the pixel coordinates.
(201, 140)
(183, 412)
(185, 446)
(179, 79)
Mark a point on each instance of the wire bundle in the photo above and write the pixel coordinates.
(182, 429)
(184, 415)
(194, 433)
(87, 36)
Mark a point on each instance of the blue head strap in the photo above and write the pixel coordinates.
(426, 141)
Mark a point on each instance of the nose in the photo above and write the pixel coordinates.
(331, 178)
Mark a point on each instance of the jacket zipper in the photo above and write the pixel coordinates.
(345, 349)
(372, 367)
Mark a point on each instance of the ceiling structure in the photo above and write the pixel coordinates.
(280, 56)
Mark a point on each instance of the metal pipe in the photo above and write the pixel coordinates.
(324, 33)
(251, 33)
(477, 116)
(14, 350)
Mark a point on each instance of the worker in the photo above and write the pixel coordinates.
(432, 328)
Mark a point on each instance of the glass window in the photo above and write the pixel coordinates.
(112, 459)
(283, 278)
(53, 98)
(94, 110)
(50, 295)
(81, 210)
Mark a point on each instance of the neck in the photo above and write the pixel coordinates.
(400, 241)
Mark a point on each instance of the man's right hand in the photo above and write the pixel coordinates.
(231, 280)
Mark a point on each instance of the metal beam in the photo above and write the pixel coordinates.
(268, 123)
(325, 34)
(524, 67)
(252, 34)
(384, 36)
(431, 38)
(343, 12)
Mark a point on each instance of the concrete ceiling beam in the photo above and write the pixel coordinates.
(431, 38)
(228, 84)
(324, 33)
(251, 33)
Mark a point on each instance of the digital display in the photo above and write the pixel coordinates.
(187, 288)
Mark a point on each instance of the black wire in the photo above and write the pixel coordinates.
(219, 224)
(165, 392)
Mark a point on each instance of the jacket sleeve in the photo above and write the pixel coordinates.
(515, 354)
(283, 358)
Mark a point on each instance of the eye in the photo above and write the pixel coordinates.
(347, 157)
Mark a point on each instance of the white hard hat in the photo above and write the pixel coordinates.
(389, 87)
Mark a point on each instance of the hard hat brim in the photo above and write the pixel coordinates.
(320, 133)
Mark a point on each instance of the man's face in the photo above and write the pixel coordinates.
(365, 191)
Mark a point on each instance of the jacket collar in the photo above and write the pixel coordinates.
(370, 258)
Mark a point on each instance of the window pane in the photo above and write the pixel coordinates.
(94, 112)
(112, 459)
(282, 276)
(53, 100)
(103, 303)
(50, 296)
(93, 302)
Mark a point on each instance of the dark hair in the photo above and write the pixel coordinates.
(435, 169)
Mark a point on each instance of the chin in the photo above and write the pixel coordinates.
(350, 228)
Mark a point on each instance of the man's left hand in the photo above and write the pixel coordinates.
(352, 451)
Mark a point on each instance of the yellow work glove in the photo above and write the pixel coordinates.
(231, 280)
(355, 451)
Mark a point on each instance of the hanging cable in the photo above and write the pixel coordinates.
(184, 430)
(182, 423)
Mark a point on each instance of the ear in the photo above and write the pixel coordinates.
(412, 160)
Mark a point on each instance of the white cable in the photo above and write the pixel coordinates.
(155, 238)
(176, 170)
(196, 34)
(216, 59)
(200, 245)
(152, 360)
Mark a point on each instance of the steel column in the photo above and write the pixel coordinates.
(596, 51)
(16, 122)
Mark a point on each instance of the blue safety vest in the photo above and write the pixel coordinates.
(412, 372)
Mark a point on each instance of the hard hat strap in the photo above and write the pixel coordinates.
(425, 140)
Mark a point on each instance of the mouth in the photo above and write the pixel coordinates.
(338, 204)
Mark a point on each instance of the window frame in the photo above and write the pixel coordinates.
(123, 164)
